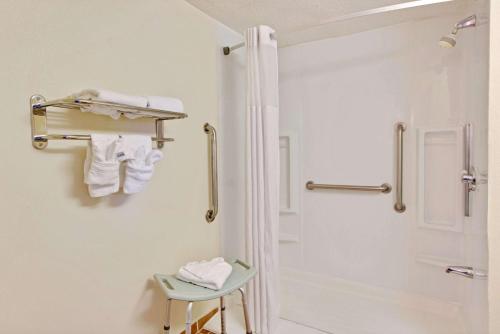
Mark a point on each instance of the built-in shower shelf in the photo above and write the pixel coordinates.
(439, 189)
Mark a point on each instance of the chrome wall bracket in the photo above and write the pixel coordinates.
(38, 122)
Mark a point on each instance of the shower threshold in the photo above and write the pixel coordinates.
(336, 306)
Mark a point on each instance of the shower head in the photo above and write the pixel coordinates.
(450, 40)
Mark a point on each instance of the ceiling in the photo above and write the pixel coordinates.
(298, 21)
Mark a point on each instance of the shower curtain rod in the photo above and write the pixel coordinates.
(385, 9)
(228, 49)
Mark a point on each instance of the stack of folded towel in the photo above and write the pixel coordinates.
(209, 274)
(104, 156)
(155, 102)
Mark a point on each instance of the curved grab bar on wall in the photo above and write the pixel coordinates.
(399, 206)
(213, 193)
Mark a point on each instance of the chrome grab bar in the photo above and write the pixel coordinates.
(468, 177)
(213, 194)
(384, 188)
(399, 206)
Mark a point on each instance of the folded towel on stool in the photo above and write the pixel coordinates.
(209, 274)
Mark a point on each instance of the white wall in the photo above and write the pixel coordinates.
(341, 97)
(232, 88)
(69, 263)
(494, 169)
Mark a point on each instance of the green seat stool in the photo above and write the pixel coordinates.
(176, 289)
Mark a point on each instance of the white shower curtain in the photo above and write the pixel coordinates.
(262, 176)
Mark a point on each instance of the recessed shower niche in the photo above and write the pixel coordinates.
(439, 170)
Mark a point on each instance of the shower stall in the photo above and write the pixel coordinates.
(351, 262)
(383, 199)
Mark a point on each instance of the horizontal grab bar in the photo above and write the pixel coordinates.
(384, 188)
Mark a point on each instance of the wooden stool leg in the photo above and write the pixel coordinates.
(189, 317)
(222, 316)
(245, 311)
(166, 328)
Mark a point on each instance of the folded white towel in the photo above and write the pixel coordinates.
(102, 167)
(165, 103)
(109, 96)
(140, 159)
(209, 274)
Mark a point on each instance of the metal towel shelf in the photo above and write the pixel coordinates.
(38, 112)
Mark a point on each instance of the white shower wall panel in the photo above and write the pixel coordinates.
(342, 97)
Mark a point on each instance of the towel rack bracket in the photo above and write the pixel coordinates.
(38, 122)
(160, 133)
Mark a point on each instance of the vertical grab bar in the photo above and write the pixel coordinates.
(468, 176)
(399, 206)
(213, 193)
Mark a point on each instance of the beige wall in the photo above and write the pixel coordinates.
(69, 263)
(494, 170)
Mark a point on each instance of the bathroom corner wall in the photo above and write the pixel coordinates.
(232, 84)
(69, 263)
(494, 169)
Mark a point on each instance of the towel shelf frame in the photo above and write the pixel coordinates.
(38, 113)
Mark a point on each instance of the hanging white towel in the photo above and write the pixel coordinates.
(165, 103)
(209, 274)
(109, 96)
(102, 167)
(140, 158)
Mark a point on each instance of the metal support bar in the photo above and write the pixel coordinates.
(44, 138)
(222, 316)
(212, 173)
(384, 188)
(160, 133)
(166, 328)
(228, 49)
(399, 206)
(248, 326)
(189, 317)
